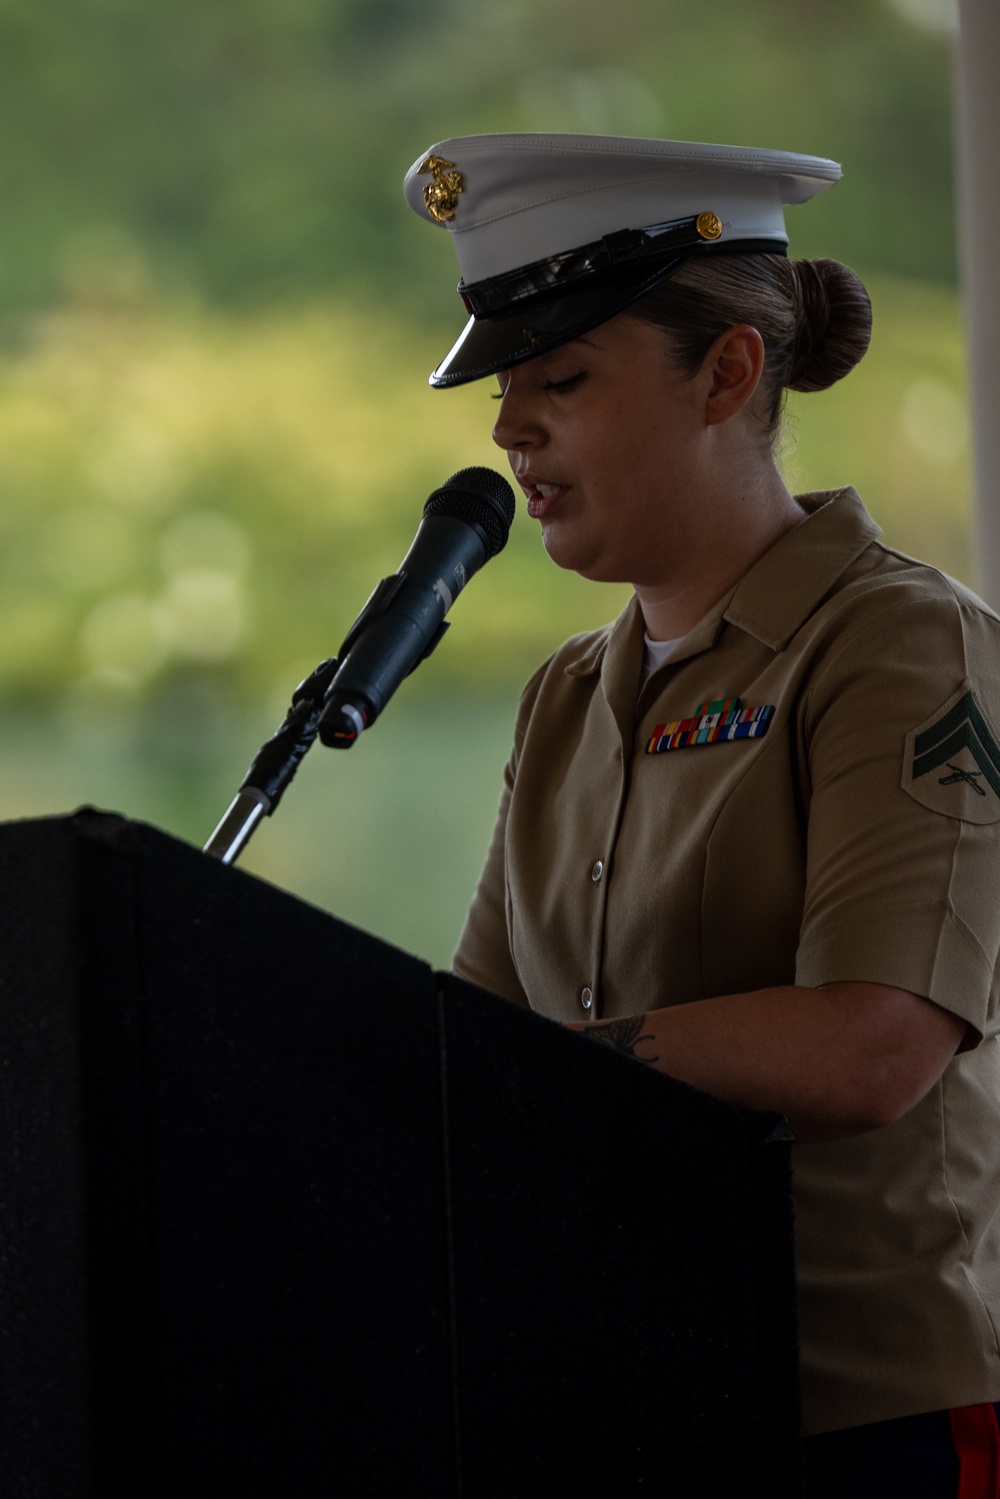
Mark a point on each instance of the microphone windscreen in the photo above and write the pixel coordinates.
(481, 497)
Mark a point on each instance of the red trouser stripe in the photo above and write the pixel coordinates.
(976, 1437)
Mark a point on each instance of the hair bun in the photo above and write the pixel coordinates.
(833, 317)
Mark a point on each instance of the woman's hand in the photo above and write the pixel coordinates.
(837, 1061)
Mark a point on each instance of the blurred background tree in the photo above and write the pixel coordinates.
(216, 322)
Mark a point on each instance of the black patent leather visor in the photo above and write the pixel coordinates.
(539, 307)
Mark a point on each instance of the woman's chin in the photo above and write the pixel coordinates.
(566, 547)
(573, 555)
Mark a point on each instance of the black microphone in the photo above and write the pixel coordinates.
(466, 522)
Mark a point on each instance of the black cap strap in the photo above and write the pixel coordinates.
(601, 259)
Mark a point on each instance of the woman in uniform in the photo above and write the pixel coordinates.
(772, 786)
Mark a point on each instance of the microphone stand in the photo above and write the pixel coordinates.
(470, 518)
(274, 765)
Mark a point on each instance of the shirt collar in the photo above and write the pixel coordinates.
(773, 599)
(784, 586)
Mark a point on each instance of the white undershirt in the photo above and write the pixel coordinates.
(657, 651)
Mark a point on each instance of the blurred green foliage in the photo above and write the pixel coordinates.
(209, 497)
(216, 322)
(253, 149)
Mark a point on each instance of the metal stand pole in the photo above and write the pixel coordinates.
(273, 766)
(233, 833)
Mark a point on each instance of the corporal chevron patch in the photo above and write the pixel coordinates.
(951, 763)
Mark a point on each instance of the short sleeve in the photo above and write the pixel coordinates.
(903, 843)
(483, 955)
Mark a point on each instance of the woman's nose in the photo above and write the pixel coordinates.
(515, 426)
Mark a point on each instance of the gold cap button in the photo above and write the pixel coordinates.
(708, 225)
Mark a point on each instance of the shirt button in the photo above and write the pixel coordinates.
(597, 871)
(586, 998)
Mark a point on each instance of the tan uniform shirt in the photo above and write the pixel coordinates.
(853, 833)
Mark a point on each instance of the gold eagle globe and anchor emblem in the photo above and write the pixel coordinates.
(441, 194)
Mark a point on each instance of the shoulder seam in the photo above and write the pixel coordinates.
(960, 593)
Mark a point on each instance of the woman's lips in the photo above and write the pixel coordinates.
(542, 496)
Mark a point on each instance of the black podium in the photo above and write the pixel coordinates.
(285, 1213)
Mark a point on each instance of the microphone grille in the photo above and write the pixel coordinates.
(481, 497)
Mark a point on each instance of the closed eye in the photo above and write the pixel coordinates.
(563, 385)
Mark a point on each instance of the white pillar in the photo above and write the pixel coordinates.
(977, 120)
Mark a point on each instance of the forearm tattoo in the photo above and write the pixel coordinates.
(622, 1036)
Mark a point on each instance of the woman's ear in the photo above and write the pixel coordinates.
(735, 363)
